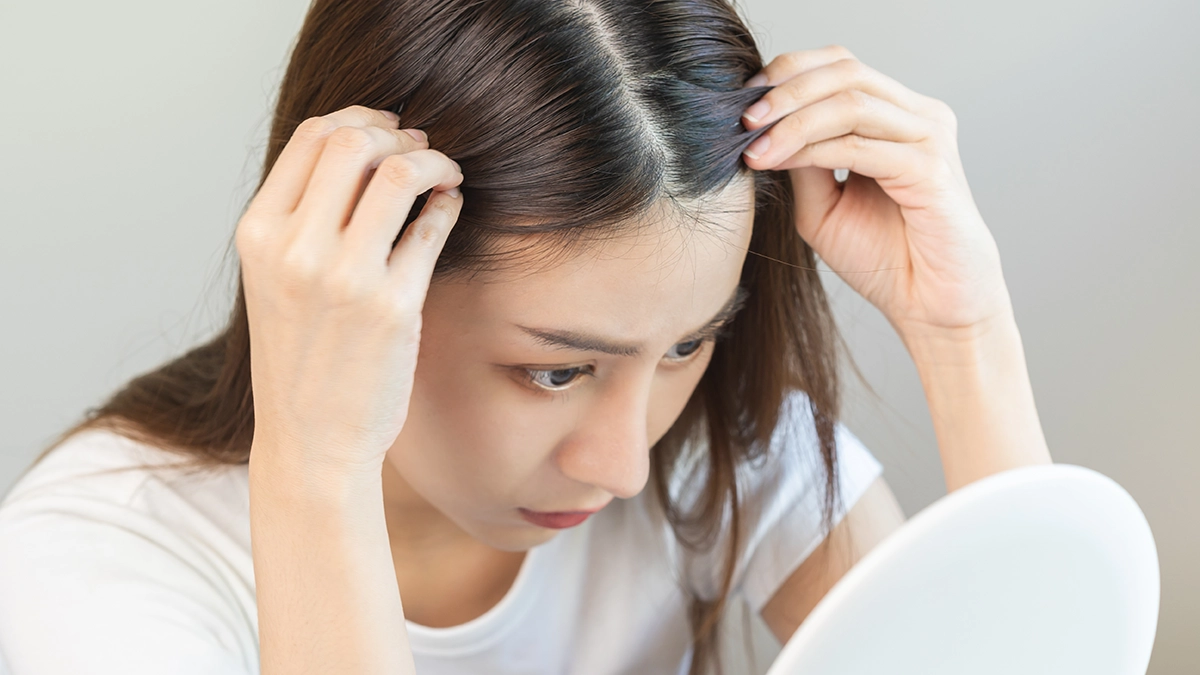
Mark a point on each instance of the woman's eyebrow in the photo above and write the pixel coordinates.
(584, 342)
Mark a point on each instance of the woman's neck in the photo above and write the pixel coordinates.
(445, 576)
(413, 522)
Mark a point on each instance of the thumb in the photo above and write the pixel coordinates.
(817, 192)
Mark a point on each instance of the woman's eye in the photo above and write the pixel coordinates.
(560, 379)
(685, 349)
(554, 379)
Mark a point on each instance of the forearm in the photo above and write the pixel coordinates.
(980, 398)
(328, 600)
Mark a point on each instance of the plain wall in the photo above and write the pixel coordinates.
(134, 132)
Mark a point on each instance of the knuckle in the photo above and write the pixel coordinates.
(942, 112)
(948, 114)
(792, 60)
(839, 51)
(857, 72)
(792, 89)
(795, 124)
(315, 128)
(398, 170)
(395, 317)
(931, 131)
(447, 209)
(426, 232)
(857, 99)
(857, 143)
(250, 236)
(353, 139)
(401, 315)
(849, 67)
(406, 140)
(300, 266)
(347, 284)
(401, 304)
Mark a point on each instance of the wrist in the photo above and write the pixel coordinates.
(294, 484)
(980, 397)
(991, 340)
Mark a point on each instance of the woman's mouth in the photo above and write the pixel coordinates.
(557, 520)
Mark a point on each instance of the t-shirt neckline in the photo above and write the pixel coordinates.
(488, 628)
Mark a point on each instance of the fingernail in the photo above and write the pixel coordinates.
(757, 111)
(391, 115)
(758, 147)
(417, 134)
(453, 192)
(456, 165)
(758, 80)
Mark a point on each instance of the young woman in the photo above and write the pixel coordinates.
(533, 376)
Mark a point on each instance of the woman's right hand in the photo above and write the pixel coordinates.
(334, 311)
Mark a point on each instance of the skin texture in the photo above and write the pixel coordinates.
(333, 432)
(453, 484)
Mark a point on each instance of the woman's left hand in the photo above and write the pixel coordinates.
(903, 230)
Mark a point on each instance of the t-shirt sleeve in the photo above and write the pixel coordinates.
(782, 505)
(88, 590)
(786, 526)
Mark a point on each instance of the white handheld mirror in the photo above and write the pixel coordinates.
(1045, 570)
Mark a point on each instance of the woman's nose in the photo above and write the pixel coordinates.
(611, 449)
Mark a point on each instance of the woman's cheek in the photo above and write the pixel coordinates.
(672, 395)
(508, 430)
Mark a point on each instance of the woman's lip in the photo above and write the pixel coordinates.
(557, 521)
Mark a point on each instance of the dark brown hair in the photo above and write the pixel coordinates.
(570, 118)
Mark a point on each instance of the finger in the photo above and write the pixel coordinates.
(350, 153)
(389, 198)
(411, 264)
(289, 175)
(881, 160)
(847, 112)
(816, 190)
(362, 116)
(788, 65)
(814, 85)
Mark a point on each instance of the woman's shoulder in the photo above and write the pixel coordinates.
(103, 464)
(103, 479)
(96, 461)
(101, 539)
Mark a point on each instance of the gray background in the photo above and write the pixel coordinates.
(133, 132)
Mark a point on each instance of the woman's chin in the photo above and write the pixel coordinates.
(513, 538)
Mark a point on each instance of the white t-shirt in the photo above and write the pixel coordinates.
(149, 572)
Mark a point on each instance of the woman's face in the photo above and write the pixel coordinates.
(502, 419)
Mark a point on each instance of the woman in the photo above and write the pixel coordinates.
(542, 368)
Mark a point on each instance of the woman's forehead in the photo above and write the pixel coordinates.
(656, 283)
(657, 237)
